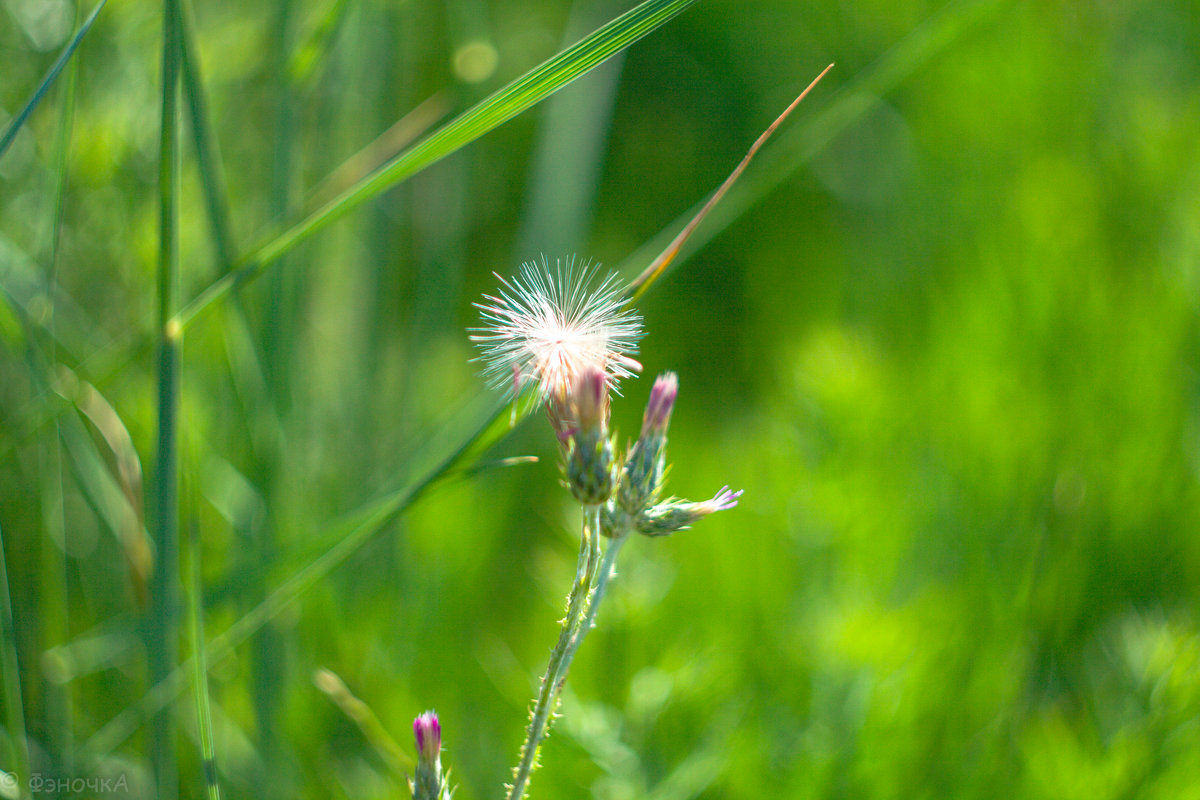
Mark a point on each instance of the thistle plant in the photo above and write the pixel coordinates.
(551, 332)
(569, 338)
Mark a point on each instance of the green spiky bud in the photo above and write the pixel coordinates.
(645, 467)
(590, 467)
(676, 515)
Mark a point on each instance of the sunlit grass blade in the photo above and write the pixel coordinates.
(112, 498)
(127, 465)
(796, 147)
(526, 91)
(361, 714)
(567, 161)
(651, 273)
(15, 125)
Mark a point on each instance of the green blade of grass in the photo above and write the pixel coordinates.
(11, 132)
(531, 88)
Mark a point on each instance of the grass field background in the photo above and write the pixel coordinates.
(943, 333)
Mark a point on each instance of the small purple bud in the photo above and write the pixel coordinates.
(589, 398)
(429, 736)
(658, 409)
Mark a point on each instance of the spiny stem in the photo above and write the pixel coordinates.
(556, 670)
(608, 569)
(593, 570)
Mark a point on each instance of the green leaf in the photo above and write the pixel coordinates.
(528, 90)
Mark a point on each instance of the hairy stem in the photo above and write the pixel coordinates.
(608, 569)
(560, 656)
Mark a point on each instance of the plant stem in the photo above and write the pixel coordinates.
(608, 569)
(199, 662)
(556, 670)
(161, 633)
(10, 667)
(208, 157)
(53, 574)
(593, 571)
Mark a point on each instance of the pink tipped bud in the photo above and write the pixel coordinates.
(589, 398)
(429, 736)
(658, 409)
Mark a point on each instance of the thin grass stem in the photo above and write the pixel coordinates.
(10, 665)
(208, 155)
(163, 609)
(651, 273)
(397, 759)
(53, 574)
(10, 133)
(199, 662)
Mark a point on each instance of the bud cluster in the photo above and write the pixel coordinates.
(628, 491)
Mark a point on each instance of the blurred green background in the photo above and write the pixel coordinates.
(943, 334)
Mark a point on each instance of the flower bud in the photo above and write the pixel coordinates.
(675, 515)
(590, 460)
(428, 732)
(645, 466)
(590, 467)
(428, 783)
(658, 409)
(589, 399)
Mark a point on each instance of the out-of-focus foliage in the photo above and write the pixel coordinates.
(952, 360)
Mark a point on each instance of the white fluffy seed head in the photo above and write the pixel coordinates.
(548, 325)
